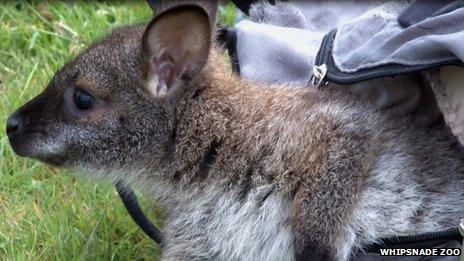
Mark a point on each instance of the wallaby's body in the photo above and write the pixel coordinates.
(245, 172)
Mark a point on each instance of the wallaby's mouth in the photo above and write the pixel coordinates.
(25, 144)
(30, 143)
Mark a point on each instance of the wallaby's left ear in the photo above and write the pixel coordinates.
(175, 47)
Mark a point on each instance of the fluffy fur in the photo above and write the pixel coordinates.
(248, 172)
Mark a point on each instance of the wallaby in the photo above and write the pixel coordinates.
(243, 171)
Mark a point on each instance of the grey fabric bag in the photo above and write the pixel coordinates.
(362, 45)
(356, 40)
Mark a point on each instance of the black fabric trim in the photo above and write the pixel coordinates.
(324, 56)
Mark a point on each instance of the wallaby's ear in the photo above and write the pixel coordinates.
(175, 47)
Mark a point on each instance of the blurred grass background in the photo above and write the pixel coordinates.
(47, 213)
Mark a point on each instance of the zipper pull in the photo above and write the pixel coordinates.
(319, 72)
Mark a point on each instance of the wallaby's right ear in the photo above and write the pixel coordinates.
(175, 47)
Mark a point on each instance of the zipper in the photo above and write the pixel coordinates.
(434, 235)
(333, 74)
(319, 73)
(424, 240)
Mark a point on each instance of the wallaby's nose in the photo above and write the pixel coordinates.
(13, 124)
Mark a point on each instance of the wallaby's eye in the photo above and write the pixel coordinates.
(82, 99)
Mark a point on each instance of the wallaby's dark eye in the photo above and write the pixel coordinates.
(82, 99)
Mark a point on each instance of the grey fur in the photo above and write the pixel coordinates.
(246, 172)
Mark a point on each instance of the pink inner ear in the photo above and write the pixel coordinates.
(166, 70)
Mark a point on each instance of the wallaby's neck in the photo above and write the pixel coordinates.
(207, 121)
(212, 126)
(226, 125)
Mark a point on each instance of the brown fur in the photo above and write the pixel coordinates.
(312, 148)
(297, 149)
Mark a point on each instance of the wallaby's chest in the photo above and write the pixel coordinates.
(228, 226)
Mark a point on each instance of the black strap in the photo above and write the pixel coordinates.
(151, 3)
(228, 38)
(243, 5)
(129, 199)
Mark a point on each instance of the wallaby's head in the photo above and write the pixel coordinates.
(115, 103)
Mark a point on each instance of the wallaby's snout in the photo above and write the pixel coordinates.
(13, 125)
(27, 127)
(15, 130)
(87, 117)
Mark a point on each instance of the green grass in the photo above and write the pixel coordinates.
(46, 213)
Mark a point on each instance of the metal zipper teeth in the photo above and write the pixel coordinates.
(435, 235)
(324, 55)
(393, 72)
